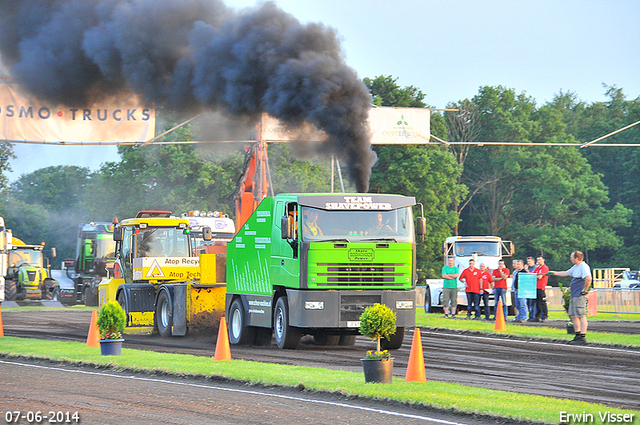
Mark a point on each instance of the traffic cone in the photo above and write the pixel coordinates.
(93, 337)
(222, 344)
(1, 327)
(415, 368)
(500, 323)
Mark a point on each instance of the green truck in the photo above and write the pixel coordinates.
(309, 264)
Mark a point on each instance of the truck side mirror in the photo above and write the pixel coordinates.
(118, 234)
(422, 226)
(207, 235)
(285, 228)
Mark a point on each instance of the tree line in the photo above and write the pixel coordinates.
(548, 200)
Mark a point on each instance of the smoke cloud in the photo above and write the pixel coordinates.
(189, 55)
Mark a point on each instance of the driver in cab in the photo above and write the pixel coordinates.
(149, 245)
(310, 224)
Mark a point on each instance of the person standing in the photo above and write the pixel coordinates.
(541, 296)
(450, 275)
(531, 302)
(521, 303)
(499, 276)
(581, 279)
(471, 278)
(486, 283)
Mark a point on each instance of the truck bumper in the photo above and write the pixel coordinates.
(342, 309)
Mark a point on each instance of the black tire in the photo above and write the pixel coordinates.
(427, 300)
(263, 337)
(287, 337)
(55, 294)
(90, 299)
(347, 340)
(164, 314)
(122, 300)
(394, 342)
(10, 290)
(322, 338)
(50, 285)
(239, 332)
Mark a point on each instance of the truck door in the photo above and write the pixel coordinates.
(127, 254)
(285, 265)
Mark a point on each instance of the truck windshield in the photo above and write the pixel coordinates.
(467, 249)
(106, 246)
(162, 242)
(25, 257)
(358, 226)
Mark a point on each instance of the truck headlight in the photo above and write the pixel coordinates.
(404, 305)
(314, 305)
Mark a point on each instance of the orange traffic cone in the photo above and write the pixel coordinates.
(1, 327)
(500, 323)
(415, 368)
(93, 337)
(222, 344)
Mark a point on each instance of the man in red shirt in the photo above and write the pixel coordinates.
(500, 286)
(486, 283)
(541, 297)
(471, 278)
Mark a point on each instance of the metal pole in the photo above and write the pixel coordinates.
(340, 175)
(332, 171)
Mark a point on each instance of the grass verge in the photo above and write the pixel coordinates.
(439, 395)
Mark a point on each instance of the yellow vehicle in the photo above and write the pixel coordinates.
(159, 282)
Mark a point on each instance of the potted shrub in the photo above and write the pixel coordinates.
(111, 323)
(566, 299)
(376, 322)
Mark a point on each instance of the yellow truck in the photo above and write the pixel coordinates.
(159, 281)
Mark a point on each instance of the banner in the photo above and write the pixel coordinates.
(527, 285)
(25, 118)
(387, 125)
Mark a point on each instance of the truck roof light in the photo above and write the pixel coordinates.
(143, 225)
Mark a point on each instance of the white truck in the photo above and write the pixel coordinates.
(483, 249)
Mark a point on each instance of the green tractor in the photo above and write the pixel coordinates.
(27, 274)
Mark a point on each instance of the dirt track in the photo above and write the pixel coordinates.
(606, 375)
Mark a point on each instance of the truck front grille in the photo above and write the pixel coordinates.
(352, 306)
(360, 274)
(31, 275)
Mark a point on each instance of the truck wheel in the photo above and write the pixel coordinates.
(89, 298)
(55, 295)
(164, 319)
(122, 300)
(50, 286)
(239, 332)
(394, 342)
(10, 290)
(427, 300)
(347, 340)
(287, 337)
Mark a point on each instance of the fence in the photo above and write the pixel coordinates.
(617, 301)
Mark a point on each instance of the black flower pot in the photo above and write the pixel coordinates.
(111, 347)
(378, 370)
(570, 329)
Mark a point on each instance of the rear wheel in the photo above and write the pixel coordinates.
(394, 342)
(347, 340)
(427, 300)
(50, 286)
(122, 300)
(287, 337)
(324, 339)
(239, 332)
(10, 290)
(164, 317)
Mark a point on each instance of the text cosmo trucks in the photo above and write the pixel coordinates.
(311, 263)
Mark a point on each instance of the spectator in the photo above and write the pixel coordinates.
(471, 278)
(580, 283)
(486, 281)
(499, 277)
(531, 302)
(521, 303)
(450, 275)
(541, 296)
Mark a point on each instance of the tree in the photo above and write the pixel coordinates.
(6, 153)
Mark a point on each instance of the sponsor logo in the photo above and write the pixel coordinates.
(361, 254)
(358, 203)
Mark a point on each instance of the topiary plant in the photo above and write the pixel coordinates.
(376, 322)
(111, 321)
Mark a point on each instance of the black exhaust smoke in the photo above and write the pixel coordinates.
(190, 55)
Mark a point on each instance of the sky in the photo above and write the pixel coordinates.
(449, 49)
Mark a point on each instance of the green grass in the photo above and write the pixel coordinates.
(440, 395)
(436, 321)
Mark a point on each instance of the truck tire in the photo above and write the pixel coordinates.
(239, 332)
(55, 294)
(164, 317)
(287, 337)
(394, 342)
(88, 297)
(427, 300)
(10, 290)
(347, 340)
(122, 300)
(50, 286)
(322, 338)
